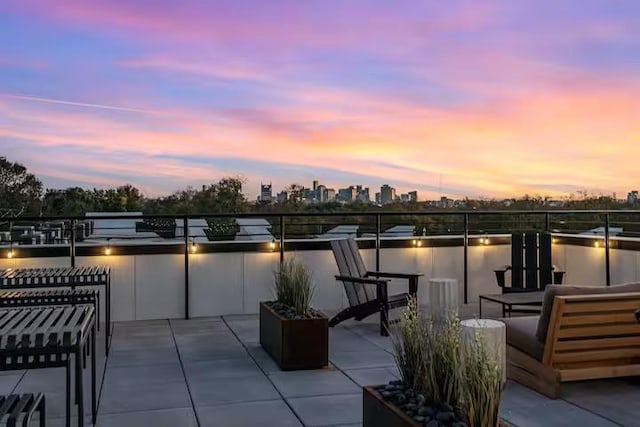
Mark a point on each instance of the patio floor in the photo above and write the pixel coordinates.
(213, 372)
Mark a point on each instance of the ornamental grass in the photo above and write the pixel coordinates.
(436, 360)
(294, 286)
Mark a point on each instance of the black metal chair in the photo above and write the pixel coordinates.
(363, 302)
(531, 266)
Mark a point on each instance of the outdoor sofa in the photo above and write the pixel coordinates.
(582, 333)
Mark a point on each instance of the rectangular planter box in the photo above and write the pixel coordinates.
(378, 413)
(294, 343)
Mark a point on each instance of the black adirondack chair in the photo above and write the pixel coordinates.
(531, 266)
(367, 290)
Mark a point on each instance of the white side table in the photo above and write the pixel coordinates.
(443, 297)
(495, 337)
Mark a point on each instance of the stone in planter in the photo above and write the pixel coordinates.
(391, 405)
(376, 412)
(294, 343)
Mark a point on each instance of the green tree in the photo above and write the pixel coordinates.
(20, 190)
(73, 201)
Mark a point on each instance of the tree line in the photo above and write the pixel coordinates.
(22, 193)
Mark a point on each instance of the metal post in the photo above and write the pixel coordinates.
(11, 238)
(281, 239)
(378, 242)
(466, 258)
(606, 249)
(74, 225)
(185, 224)
(547, 222)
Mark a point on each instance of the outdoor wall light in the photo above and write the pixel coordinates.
(272, 245)
(10, 253)
(596, 244)
(107, 250)
(194, 247)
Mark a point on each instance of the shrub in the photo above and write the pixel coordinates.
(293, 286)
(411, 346)
(483, 383)
(435, 360)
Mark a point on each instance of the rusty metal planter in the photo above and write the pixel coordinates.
(376, 412)
(294, 343)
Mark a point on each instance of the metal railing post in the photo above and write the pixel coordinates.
(607, 246)
(466, 258)
(281, 239)
(185, 224)
(547, 222)
(377, 242)
(72, 249)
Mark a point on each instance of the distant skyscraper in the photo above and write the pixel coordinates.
(319, 196)
(282, 197)
(633, 197)
(266, 194)
(363, 194)
(329, 194)
(315, 184)
(347, 194)
(387, 194)
(413, 196)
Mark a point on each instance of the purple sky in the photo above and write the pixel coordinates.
(475, 98)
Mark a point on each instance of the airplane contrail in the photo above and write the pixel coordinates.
(77, 104)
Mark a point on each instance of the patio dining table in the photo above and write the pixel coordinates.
(47, 337)
(12, 279)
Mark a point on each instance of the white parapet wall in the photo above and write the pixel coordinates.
(152, 286)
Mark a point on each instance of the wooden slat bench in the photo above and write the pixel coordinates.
(589, 337)
(14, 279)
(21, 408)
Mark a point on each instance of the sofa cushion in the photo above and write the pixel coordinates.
(521, 334)
(551, 291)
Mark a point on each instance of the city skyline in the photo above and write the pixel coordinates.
(477, 99)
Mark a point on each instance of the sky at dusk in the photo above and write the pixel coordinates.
(459, 98)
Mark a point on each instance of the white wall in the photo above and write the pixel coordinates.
(152, 286)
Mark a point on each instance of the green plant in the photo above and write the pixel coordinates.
(294, 286)
(410, 346)
(435, 360)
(446, 368)
(428, 354)
(482, 383)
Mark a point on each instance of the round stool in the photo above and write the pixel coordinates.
(443, 297)
(494, 333)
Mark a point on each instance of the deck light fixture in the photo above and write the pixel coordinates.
(107, 250)
(272, 245)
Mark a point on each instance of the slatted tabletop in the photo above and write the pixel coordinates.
(54, 276)
(33, 328)
(94, 275)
